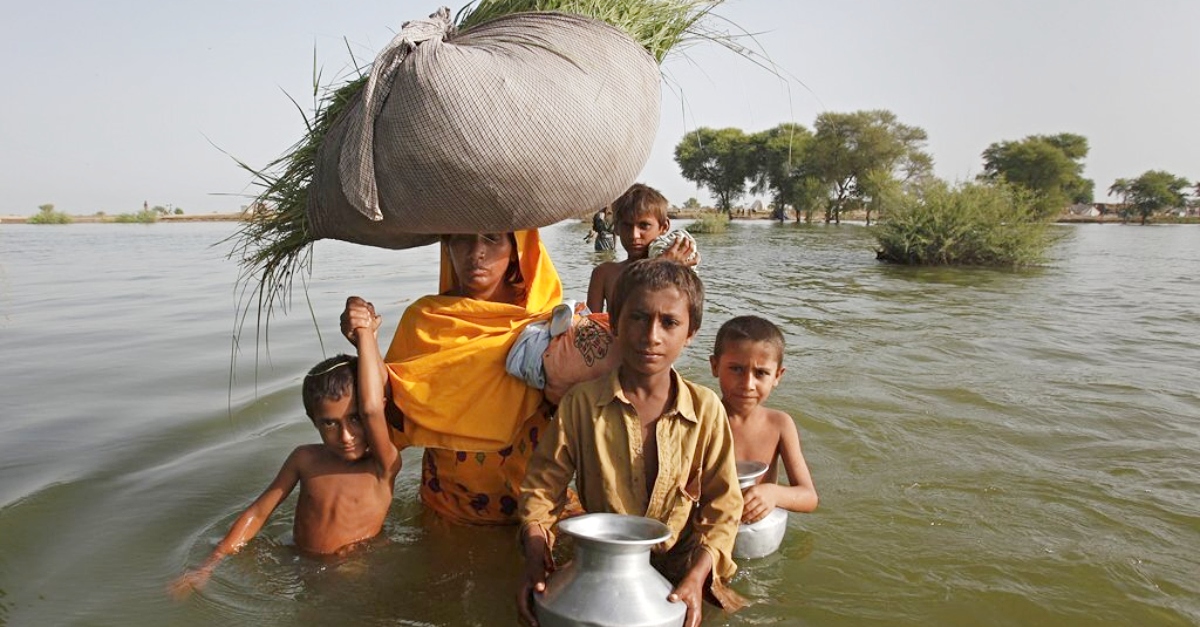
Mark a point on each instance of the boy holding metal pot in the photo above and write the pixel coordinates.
(643, 441)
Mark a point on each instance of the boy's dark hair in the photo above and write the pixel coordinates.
(657, 274)
(637, 200)
(330, 379)
(752, 328)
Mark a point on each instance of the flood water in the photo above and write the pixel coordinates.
(990, 447)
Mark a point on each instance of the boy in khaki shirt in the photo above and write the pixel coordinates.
(643, 441)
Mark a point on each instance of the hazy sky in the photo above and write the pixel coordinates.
(109, 104)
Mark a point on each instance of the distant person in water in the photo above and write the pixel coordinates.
(346, 481)
(602, 229)
(747, 361)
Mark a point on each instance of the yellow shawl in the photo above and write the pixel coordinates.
(447, 359)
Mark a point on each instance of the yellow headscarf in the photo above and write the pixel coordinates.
(447, 359)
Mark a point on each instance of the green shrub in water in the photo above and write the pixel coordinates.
(47, 215)
(974, 224)
(145, 216)
(710, 222)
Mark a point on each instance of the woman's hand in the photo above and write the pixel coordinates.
(759, 500)
(358, 314)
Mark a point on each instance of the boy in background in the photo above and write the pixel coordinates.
(640, 216)
(747, 360)
(346, 481)
(643, 441)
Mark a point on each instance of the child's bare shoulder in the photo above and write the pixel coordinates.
(308, 458)
(781, 421)
(603, 274)
(608, 268)
(309, 451)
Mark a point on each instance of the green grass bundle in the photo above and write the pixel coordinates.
(970, 224)
(275, 242)
(661, 26)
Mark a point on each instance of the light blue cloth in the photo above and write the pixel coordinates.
(524, 359)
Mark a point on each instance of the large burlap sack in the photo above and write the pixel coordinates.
(517, 123)
(330, 214)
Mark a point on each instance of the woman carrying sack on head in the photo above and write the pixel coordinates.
(478, 424)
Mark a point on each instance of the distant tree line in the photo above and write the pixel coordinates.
(47, 215)
(869, 161)
(848, 161)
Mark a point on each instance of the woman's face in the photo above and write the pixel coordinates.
(480, 263)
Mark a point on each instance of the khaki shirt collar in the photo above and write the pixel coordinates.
(684, 406)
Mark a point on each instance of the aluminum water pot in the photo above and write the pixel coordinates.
(610, 582)
(763, 537)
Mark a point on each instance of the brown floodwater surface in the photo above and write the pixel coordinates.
(991, 447)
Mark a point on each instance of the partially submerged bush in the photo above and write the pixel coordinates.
(47, 215)
(710, 222)
(145, 216)
(969, 224)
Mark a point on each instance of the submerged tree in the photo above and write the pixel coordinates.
(1155, 190)
(1121, 188)
(881, 191)
(718, 159)
(855, 155)
(780, 167)
(853, 160)
(1049, 166)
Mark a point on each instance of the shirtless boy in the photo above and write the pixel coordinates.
(643, 441)
(345, 481)
(640, 216)
(748, 362)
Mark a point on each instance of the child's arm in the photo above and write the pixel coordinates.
(716, 524)
(244, 528)
(801, 495)
(538, 564)
(690, 590)
(372, 397)
(547, 475)
(595, 295)
(360, 313)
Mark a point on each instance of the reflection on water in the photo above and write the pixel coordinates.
(992, 447)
